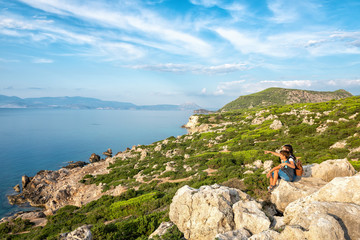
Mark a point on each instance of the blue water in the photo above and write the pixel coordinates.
(36, 139)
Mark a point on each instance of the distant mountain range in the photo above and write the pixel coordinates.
(85, 103)
(283, 96)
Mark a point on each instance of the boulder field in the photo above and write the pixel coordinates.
(322, 204)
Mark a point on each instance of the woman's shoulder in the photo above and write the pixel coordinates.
(291, 158)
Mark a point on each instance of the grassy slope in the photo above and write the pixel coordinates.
(135, 214)
(277, 96)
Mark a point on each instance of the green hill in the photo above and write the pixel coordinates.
(222, 154)
(283, 96)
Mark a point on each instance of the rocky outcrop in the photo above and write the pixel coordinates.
(108, 153)
(312, 209)
(306, 214)
(276, 125)
(25, 180)
(315, 177)
(17, 188)
(249, 215)
(55, 189)
(203, 213)
(36, 217)
(81, 233)
(94, 158)
(330, 169)
(76, 165)
(287, 192)
(338, 199)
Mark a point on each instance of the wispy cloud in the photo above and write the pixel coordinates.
(224, 86)
(130, 18)
(42, 60)
(199, 69)
(4, 60)
(289, 84)
(285, 11)
(293, 44)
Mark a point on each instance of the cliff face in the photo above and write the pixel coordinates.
(283, 96)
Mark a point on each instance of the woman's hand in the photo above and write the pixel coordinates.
(268, 175)
(266, 152)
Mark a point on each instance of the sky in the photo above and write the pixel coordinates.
(177, 51)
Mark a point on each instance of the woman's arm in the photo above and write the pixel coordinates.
(273, 153)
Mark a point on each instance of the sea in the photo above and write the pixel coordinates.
(48, 139)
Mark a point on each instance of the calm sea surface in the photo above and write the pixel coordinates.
(36, 139)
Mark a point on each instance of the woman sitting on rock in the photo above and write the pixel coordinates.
(285, 170)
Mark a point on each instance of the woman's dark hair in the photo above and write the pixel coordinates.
(289, 148)
(285, 153)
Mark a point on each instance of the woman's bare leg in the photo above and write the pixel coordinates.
(274, 179)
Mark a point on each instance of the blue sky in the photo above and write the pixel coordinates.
(176, 51)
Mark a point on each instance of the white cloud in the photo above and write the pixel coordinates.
(285, 11)
(289, 84)
(225, 86)
(203, 91)
(293, 44)
(42, 60)
(332, 83)
(351, 82)
(199, 69)
(132, 19)
(246, 43)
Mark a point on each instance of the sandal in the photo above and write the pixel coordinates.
(271, 188)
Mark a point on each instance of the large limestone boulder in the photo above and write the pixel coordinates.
(249, 215)
(339, 199)
(325, 227)
(287, 192)
(203, 213)
(342, 189)
(306, 214)
(330, 169)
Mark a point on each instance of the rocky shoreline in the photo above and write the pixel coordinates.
(52, 190)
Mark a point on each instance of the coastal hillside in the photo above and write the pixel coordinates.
(283, 96)
(128, 195)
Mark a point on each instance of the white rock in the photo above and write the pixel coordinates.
(203, 213)
(162, 229)
(330, 169)
(277, 222)
(248, 215)
(81, 233)
(241, 234)
(340, 144)
(268, 165)
(266, 235)
(287, 192)
(276, 125)
(258, 164)
(325, 227)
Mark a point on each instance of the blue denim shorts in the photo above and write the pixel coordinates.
(282, 175)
